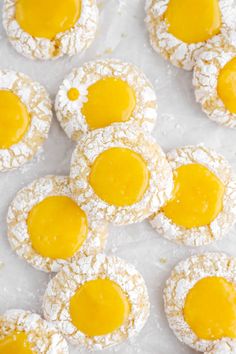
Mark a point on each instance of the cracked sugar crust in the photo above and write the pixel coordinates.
(38, 104)
(225, 346)
(183, 278)
(124, 136)
(199, 236)
(69, 113)
(61, 288)
(19, 237)
(71, 42)
(179, 53)
(205, 81)
(42, 335)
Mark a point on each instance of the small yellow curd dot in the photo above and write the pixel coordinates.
(73, 94)
(119, 176)
(57, 227)
(193, 21)
(210, 308)
(14, 119)
(99, 307)
(15, 343)
(197, 197)
(47, 18)
(110, 100)
(227, 85)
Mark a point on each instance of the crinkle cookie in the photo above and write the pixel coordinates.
(103, 92)
(200, 302)
(225, 346)
(25, 118)
(48, 29)
(27, 333)
(214, 83)
(179, 29)
(120, 174)
(203, 204)
(121, 308)
(48, 229)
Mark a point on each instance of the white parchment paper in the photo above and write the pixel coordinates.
(122, 34)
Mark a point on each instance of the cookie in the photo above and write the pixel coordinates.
(104, 92)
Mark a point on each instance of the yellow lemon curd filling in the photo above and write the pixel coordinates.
(226, 86)
(110, 100)
(15, 343)
(47, 18)
(99, 307)
(197, 196)
(57, 227)
(119, 176)
(193, 21)
(210, 308)
(14, 119)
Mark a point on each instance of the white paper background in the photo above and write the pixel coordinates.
(122, 34)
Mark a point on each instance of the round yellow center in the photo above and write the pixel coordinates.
(15, 343)
(210, 309)
(14, 119)
(197, 196)
(193, 21)
(227, 85)
(119, 176)
(110, 100)
(57, 227)
(99, 307)
(73, 94)
(47, 18)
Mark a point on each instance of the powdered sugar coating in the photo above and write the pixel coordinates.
(183, 278)
(61, 288)
(70, 42)
(225, 346)
(19, 236)
(124, 136)
(199, 236)
(38, 104)
(42, 335)
(179, 53)
(205, 81)
(69, 112)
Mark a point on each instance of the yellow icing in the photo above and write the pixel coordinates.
(193, 21)
(110, 100)
(15, 343)
(99, 307)
(14, 119)
(210, 308)
(73, 94)
(47, 18)
(197, 197)
(227, 85)
(57, 227)
(119, 176)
